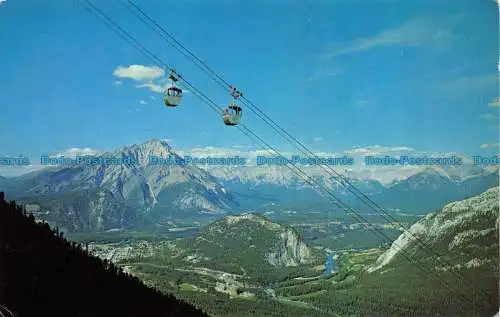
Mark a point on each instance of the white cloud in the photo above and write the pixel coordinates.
(384, 174)
(143, 102)
(152, 97)
(467, 84)
(458, 88)
(2, 2)
(150, 77)
(139, 72)
(495, 103)
(423, 32)
(210, 150)
(380, 150)
(490, 145)
(151, 86)
(359, 104)
(318, 139)
(324, 74)
(356, 152)
(157, 88)
(76, 151)
(488, 116)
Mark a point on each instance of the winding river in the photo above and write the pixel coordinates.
(331, 267)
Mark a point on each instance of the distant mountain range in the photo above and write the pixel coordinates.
(88, 198)
(423, 192)
(103, 197)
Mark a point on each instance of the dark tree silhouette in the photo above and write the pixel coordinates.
(43, 274)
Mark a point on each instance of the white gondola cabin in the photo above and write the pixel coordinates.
(172, 95)
(232, 115)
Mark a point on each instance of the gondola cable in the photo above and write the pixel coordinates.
(136, 44)
(341, 179)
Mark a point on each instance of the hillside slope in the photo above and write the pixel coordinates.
(464, 232)
(456, 263)
(227, 268)
(249, 241)
(455, 273)
(249, 246)
(42, 274)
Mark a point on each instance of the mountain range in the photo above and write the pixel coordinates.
(98, 197)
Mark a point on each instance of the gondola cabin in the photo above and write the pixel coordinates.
(232, 115)
(172, 96)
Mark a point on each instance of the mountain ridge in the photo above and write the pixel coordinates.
(454, 224)
(139, 186)
(158, 194)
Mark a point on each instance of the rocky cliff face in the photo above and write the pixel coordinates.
(290, 250)
(284, 245)
(247, 243)
(464, 232)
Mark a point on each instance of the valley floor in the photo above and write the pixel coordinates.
(349, 292)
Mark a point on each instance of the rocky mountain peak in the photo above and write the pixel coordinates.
(142, 152)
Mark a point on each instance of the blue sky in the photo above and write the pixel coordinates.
(335, 74)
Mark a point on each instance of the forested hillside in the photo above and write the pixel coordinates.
(42, 274)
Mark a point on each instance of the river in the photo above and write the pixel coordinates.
(331, 267)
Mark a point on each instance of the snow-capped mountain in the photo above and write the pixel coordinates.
(421, 192)
(386, 176)
(409, 188)
(253, 172)
(151, 189)
(159, 192)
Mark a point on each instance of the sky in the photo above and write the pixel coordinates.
(336, 75)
